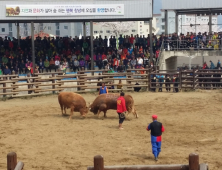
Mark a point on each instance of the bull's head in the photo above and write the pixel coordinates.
(92, 109)
(84, 111)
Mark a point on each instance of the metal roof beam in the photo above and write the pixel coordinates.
(73, 20)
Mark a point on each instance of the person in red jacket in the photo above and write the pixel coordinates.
(121, 109)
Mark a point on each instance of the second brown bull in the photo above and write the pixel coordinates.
(106, 102)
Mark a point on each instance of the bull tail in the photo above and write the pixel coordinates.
(134, 112)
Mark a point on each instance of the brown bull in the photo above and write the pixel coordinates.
(106, 102)
(73, 101)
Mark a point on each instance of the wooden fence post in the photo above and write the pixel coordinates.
(194, 79)
(149, 77)
(147, 72)
(28, 81)
(4, 85)
(128, 76)
(180, 74)
(11, 161)
(81, 78)
(53, 82)
(157, 68)
(194, 161)
(98, 163)
(14, 88)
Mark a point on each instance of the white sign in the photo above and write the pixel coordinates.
(64, 10)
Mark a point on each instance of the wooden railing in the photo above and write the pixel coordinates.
(193, 165)
(84, 81)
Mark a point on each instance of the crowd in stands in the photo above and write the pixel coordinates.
(210, 41)
(60, 53)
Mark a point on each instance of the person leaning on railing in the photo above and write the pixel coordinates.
(75, 65)
(52, 65)
(176, 83)
(167, 84)
(46, 65)
(57, 64)
(7, 71)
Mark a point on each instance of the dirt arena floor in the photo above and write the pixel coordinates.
(44, 140)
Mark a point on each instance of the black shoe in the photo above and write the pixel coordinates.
(156, 158)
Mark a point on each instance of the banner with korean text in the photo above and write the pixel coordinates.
(64, 10)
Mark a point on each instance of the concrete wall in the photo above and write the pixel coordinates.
(171, 63)
(168, 58)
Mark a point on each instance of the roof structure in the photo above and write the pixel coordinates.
(193, 6)
(132, 10)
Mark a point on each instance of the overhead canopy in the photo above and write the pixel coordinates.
(193, 6)
(75, 10)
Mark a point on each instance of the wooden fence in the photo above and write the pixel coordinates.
(85, 81)
(12, 163)
(193, 165)
(81, 82)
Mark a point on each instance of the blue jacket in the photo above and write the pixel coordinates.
(130, 50)
(212, 66)
(7, 71)
(102, 91)
(160, 78)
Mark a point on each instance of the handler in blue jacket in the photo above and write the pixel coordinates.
(103, 89)
(156, 132)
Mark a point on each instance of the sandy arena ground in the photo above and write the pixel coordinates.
(44, 140)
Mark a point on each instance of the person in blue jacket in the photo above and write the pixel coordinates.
(156, 129)
(212, 66)
(160, 80)
(7, 71)
(103, 89)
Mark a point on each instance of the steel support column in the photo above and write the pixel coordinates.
(181, 24)
(151, 40)
(91, 44)
(18, 36)
(84, 29)
(166, 22)
(176, 23)
(210, 23)
(33, 46)
(195, 23)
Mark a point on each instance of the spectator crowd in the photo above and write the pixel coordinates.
(119, 54)
(60, 53)
(209, 41)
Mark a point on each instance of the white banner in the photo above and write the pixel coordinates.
(64, 10)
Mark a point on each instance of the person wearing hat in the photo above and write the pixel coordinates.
(121, 109)
(156, 129)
